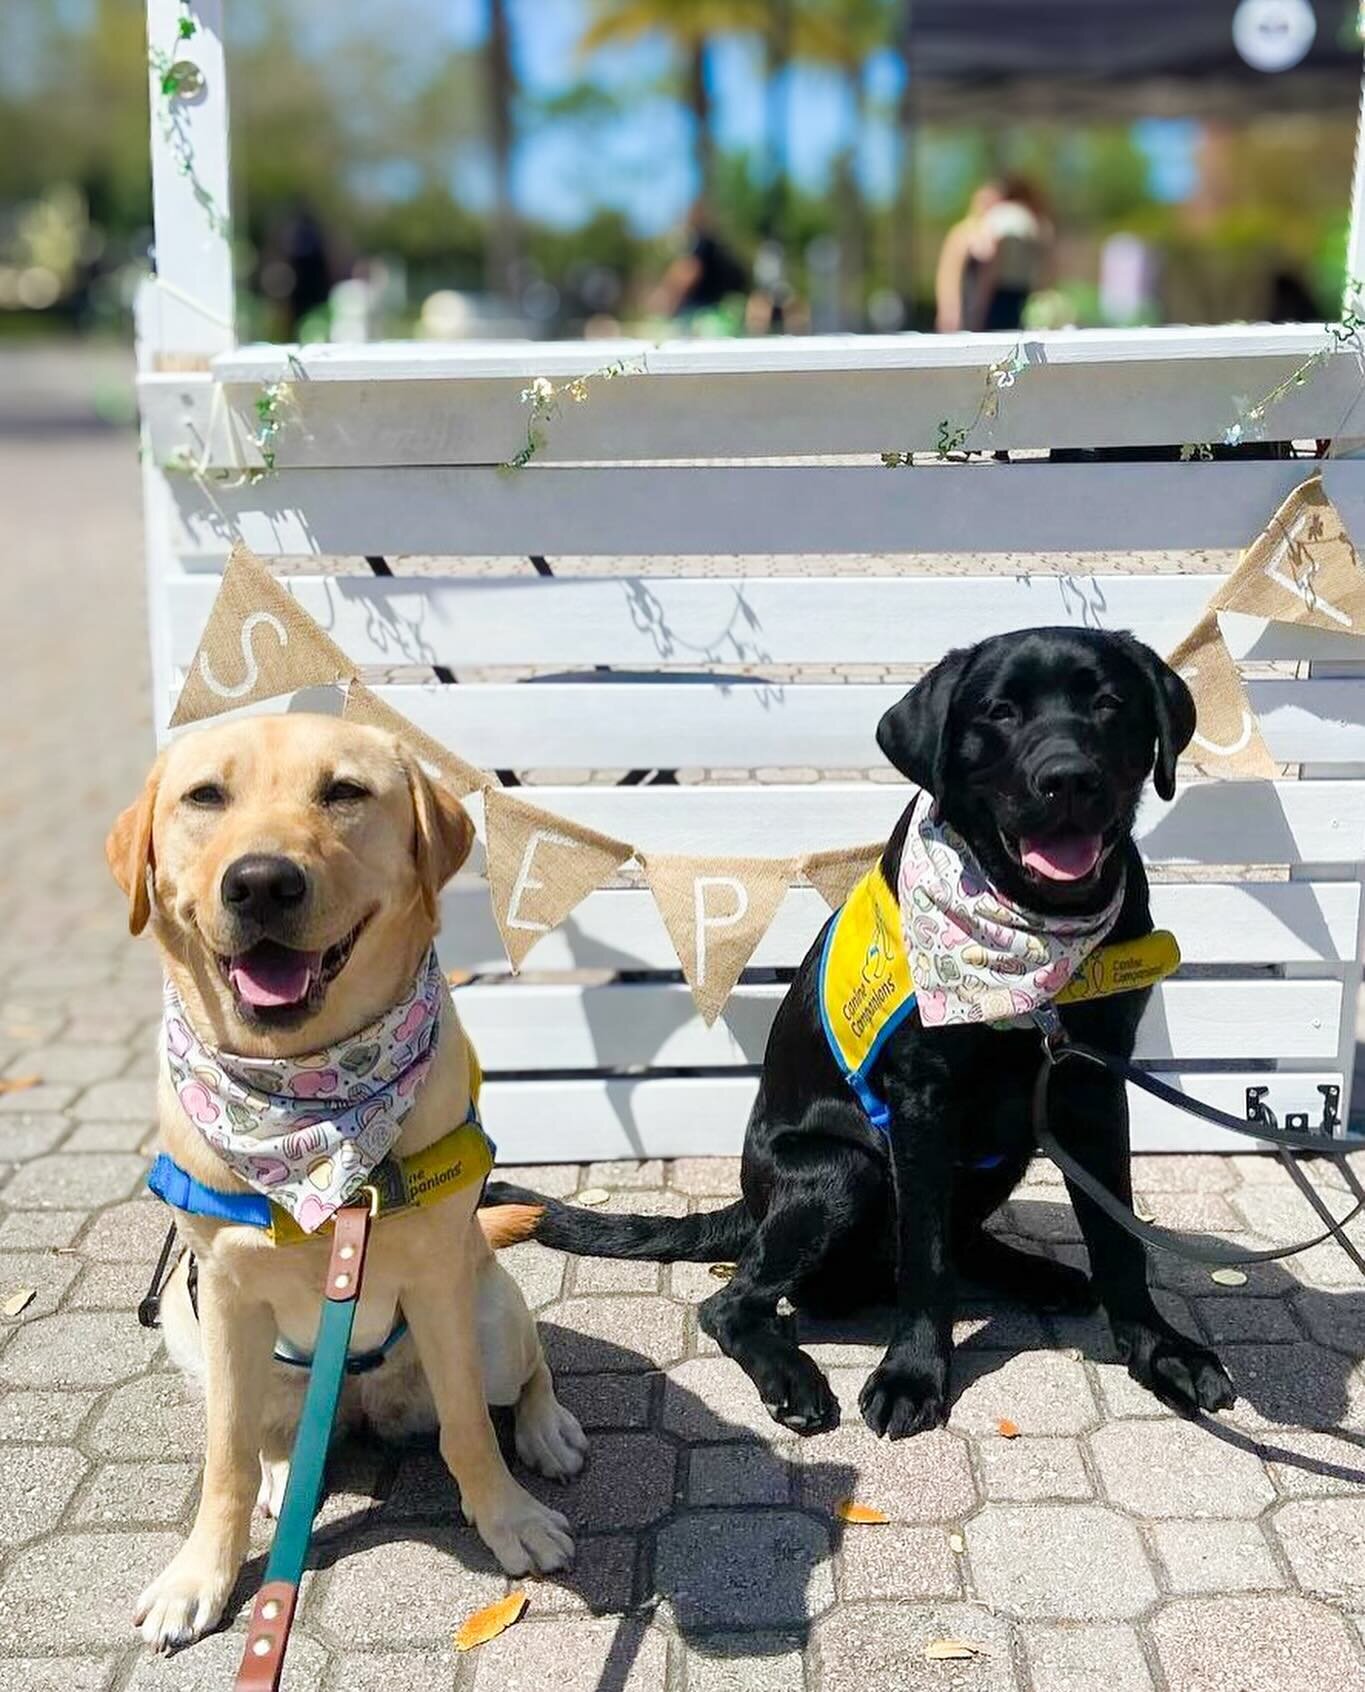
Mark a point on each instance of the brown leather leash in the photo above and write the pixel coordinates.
(272, 1615)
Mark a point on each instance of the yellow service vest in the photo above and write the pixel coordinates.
(866, 990)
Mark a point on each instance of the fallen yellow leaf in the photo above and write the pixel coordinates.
(593, 1195)
(489, 1622)
(953, 1650)
(849, 1510)
(18, 1300)
(1007, 1429)
(722, 1271)
(18, 1083)
(1228, 1277)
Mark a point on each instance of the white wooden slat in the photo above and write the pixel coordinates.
(530, 1026)
(743, 724)
(548, 510)
(1217, 822)
(705, 1116)
(1258, 922)
(469, 414)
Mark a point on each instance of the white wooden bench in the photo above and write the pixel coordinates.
(393, 449)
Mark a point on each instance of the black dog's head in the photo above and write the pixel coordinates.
(1036, 746)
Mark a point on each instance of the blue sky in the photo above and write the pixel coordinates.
(641, 161)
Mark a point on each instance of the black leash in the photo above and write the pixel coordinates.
(149, 1310)
(1058, 1048)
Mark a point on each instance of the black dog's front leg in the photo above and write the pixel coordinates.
(1090, 1118)
(908, 1390)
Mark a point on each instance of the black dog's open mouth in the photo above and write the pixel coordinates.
(1069, 855)
(271, 977)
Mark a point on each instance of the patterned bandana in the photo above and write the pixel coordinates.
(307, 1131)
(974, 956)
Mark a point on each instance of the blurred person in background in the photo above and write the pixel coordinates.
(994, 258)
(704, 276)
(298, 266)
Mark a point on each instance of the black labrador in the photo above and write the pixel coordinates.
(1043, 735)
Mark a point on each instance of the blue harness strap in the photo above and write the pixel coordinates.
(180, 1190)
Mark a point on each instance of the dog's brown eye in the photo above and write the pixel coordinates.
(343, 792)
(208, 796)
(1002, 711)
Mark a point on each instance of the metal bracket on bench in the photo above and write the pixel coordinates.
(1257, 1110)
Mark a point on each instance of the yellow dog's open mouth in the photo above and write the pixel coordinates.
(271, 976)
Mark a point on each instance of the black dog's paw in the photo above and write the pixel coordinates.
(796, 1394)
(898, 1400)
(1186, 1376)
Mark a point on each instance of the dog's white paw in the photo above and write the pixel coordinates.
(274, 1479)
(549, 1439)
(183, 1603)
(525, 1536)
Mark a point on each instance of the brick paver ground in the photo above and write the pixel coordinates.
(1109, 1548)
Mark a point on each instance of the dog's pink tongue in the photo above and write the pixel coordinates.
(1061, 857)
(273, 975)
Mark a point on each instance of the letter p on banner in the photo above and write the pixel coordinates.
(716, 911)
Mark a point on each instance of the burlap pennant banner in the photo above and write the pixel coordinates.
(1301, 568)
(834, 874)
(1226, 740)
(462, 778)
(539, 867)
(716, 910)
(257, 644)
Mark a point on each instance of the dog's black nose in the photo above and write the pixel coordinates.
(1068, 781)
(263, 884)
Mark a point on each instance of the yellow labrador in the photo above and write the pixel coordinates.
(289, 868)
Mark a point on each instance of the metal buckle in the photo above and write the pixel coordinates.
(373, 1194)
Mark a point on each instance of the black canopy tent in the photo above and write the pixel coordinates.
(1005, 61)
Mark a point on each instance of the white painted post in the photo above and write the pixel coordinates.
(191, 203)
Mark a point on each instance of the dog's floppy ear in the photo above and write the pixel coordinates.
(1173, 707)
(913, 733)
(443, 833)
(128, 850)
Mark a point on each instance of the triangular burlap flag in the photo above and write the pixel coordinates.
(1227, 741)
(716, 910)
(539, 867)
(362, 706)
(835, 873)
(1301, 568)
(257, 644)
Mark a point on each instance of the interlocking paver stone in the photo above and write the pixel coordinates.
(42, 1273)
(898, 1562)
(390, 1586)
(1027, 1469)
(60, 1674)
(925, 1479)
(748, 1662)
(396, 1671)
(1071, 1562)
(38, 1482)
(213, 1663)
(1086, 1659)
(23, 1137)
(1255, 1644)
(744, 1568)
(739, 1474)
(574, 1656)
(42, 1415)
(864, 1646)
(1173, 1468)
(612, 1333)
(1203, 1556)
(61, 1182)
(48, 1228)
(1324, 1540)
(155, 1417)
(1041, 1392)
(76, 1350)
(151, 1494)
(77, 1589)
(130, 1100)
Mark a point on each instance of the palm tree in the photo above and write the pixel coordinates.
(503, 236)
(689, 26)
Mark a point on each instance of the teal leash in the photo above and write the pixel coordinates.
(272, 1614)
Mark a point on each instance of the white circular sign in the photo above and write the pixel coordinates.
(1273, 35)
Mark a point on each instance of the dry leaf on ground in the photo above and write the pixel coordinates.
(18, 1083)
(18, 1300)
(1007, 1429)
(850, 1510)
(592, 1195)
(489, 1622)
(954, 1651)
(1228, 1277)
(722, 1271)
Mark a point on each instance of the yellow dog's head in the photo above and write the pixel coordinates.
(290, 868)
